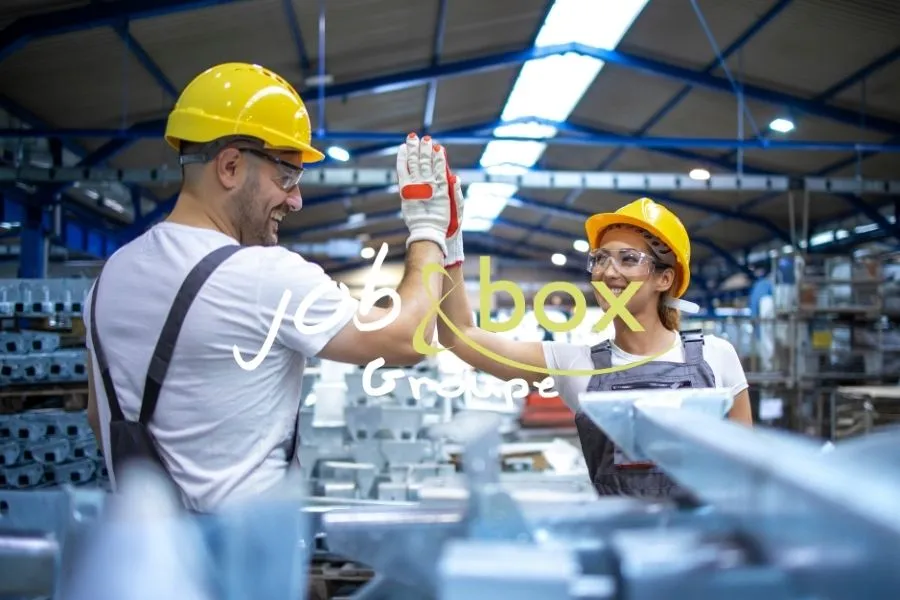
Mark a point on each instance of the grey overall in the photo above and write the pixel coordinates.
(612, 473)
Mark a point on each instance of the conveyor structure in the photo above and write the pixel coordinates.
(777, 518)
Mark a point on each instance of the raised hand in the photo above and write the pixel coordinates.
(422, 174)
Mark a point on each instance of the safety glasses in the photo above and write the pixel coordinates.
(627, 261)
(289, 174)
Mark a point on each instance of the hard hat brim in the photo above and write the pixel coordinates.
(200, 128)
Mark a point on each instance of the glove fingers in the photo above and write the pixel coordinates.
(458, 195)
(412, 156)
(426, 159)
(439, 165)
(412, 164)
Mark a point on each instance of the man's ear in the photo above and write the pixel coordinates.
(226, 163)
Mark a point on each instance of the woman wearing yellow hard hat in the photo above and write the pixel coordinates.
(642, 242)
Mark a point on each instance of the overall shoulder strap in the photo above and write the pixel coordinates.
(693, 346)
(601, 355)
(115, 409)
(165, 346)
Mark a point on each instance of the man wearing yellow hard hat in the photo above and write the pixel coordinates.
(641, 242)
(199, 330)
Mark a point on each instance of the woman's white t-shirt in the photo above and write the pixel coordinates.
(718, 353)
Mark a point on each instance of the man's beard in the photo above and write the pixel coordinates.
(253, 225)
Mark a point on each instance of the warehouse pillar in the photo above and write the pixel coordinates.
(34, 245)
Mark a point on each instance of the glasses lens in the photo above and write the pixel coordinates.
(629, 262)
(632, 262)
(289, 180)
(288, 175)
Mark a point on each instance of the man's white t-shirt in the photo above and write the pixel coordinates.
(225, 432)
(718, 353)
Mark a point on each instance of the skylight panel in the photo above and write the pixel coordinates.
(484, 203)
(549, 88)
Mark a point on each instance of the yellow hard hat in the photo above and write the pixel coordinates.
(239, 99)
(656, 219)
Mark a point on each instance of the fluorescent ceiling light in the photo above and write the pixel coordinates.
(367, 252)
(866, 228)
(568, 77)
(821, 238)
(781, 125)
(558, 259)
(484, 203)
(581, 245)
(338, 153)
(699, 174)
(313, 80)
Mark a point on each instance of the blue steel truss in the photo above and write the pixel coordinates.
(96, 14)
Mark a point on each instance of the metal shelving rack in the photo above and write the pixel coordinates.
(836, 327)
(45, 439)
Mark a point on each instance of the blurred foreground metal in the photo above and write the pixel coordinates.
(778, 519)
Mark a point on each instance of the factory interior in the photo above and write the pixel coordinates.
(761, 140)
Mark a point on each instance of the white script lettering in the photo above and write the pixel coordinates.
(514, 389)
(369, 297)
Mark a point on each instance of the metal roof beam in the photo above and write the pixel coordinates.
(431, 95)
(81, 232)
(290, 17)
(370, 180)
(96, 14)
(739, 43)
(144, 58)
(569, 212)
(392, 216)
(586, 138)
(834, 90)
(860, 75)
(26, 116)
(95, 158)
(422, 76)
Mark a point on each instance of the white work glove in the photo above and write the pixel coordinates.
(455, 254)
(422, 174)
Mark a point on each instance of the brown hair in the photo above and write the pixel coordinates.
(670, 317)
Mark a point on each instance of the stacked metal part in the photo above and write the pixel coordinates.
(403, 445)
(34, 357)
(62, 297)
(49, 448)
(779, 519)
(357, 446)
